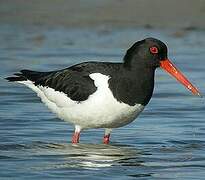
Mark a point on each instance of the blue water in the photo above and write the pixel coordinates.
(167, 141)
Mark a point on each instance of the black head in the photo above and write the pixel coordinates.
(148, 52)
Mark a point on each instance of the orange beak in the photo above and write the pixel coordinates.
(168, 66)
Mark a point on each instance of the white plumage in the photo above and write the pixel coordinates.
(100, 110)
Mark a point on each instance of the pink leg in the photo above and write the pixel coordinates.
(76, 135)
(106, 139)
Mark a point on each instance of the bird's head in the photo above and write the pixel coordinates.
(151, 53)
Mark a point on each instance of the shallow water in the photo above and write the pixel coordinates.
(166, 142)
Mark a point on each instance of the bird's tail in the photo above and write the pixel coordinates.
(24, 75)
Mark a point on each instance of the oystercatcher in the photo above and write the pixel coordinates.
(103, 94)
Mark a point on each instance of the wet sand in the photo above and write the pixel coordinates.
(186, 14)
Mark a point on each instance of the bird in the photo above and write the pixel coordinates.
(108, 95)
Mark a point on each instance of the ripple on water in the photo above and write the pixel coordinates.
(166, 142)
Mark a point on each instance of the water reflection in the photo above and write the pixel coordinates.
(88, 156)
(166, 142)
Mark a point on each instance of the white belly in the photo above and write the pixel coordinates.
(100, 110)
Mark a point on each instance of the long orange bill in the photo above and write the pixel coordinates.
(168, 66)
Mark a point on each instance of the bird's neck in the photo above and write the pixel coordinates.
(133, 86)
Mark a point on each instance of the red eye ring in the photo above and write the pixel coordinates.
(153, 50)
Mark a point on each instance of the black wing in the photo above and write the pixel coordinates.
(77, 85)
(73, 81)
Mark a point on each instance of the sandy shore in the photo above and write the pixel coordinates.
(117, 13)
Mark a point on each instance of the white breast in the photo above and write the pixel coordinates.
(100, 110)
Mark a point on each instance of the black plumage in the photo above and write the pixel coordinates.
(131, 82)
(113, 97)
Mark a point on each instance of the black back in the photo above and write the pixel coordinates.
(131, 82)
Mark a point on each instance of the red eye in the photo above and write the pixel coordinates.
(153, 50)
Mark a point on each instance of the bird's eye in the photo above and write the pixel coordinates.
(154, 50)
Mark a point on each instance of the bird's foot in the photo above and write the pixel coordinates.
(75, 138)
(106, 139)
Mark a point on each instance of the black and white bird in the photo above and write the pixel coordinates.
(103, 94)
